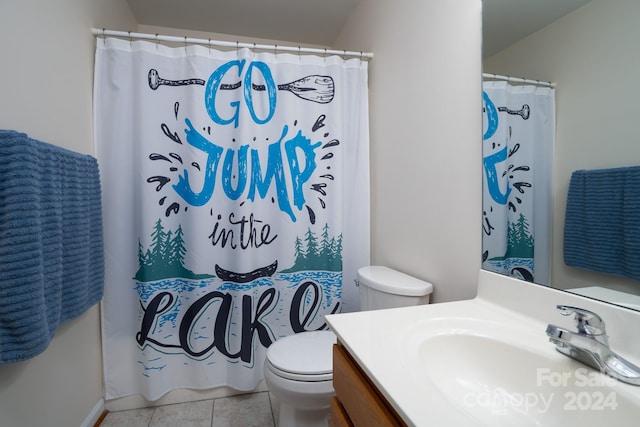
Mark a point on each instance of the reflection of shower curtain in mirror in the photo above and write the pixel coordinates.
(518, 145)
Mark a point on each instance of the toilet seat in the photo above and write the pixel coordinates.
(306, 356)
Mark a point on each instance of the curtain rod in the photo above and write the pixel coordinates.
(517, 80)
(208, 42)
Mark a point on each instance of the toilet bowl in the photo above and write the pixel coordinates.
(298, 368)
(299, 372)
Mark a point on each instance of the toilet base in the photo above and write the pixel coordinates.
(298, 372)
(302, 404)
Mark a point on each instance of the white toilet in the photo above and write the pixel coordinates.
(299, 368)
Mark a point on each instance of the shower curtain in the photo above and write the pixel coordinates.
(518, 146)
(236, 198)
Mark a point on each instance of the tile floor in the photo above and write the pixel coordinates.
(246, 410)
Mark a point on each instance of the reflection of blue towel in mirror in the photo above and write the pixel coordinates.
(51, 242)
(602, 223)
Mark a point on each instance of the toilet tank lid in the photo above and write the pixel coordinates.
(392, 281)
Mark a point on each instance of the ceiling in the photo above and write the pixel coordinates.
(319, 22)
(504, 22)
(316, 22)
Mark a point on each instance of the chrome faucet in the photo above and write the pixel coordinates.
(590, 345)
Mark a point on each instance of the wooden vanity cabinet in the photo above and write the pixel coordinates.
(358, 402)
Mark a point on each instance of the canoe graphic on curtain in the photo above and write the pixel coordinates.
(230, 180)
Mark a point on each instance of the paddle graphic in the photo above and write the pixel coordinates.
(315, 88)
(523, 112)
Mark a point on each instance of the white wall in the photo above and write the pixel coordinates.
(592, 56)
(426, 137)
(46, 70)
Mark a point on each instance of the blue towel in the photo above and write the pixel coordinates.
(51, 242)
(602, 222)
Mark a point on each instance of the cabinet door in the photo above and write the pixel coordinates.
(365, 405)
(339, 417)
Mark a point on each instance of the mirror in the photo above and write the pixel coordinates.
(589, 50)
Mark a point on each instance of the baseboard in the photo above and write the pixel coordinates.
(94, 415)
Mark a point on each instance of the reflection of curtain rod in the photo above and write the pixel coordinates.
(517, 80)
(208, 42)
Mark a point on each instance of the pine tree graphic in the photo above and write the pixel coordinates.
(165, 257)
(313, 254)
(519, 239)
(520, 242)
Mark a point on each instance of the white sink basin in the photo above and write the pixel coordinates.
(498, 375)
(488, 361)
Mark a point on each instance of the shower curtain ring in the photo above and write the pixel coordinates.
(185, 44)
(130, 38)
(209, 46)
(104, 37)
(156, 41)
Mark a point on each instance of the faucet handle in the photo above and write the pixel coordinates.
(587, 322)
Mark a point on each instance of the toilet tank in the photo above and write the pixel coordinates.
(382, 287)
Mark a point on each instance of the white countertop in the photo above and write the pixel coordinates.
(383, 342)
